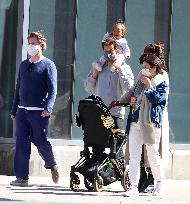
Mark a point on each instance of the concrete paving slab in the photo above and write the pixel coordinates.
(43, 190)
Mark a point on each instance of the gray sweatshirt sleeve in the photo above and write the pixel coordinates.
(126, 78)
(90, 84)
(130, 93)
(126, 97)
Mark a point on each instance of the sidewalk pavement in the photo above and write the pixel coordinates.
(43, 190)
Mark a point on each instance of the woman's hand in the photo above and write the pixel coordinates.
(133, 101)
(146, 81)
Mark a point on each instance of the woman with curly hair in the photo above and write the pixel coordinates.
(149, 97)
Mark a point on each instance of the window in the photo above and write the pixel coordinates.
(140, 25)
(179, 109)
(8, 44)
(90, 30)
(57, 20)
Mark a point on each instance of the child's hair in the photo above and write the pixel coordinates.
(153, 60)
(110, 42)
(157, 49)
(40, 37)
(120, 22)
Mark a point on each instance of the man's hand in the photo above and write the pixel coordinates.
(45, 113)
(113, 104)
(116, 64)
(13, 117)
(133, 101)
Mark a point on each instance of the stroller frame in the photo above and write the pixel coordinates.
(104, 169)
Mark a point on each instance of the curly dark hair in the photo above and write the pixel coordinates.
(110, 42)
(157, 49)
(40, 37)
(154, 61)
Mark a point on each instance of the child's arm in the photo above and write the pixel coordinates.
(125, 48)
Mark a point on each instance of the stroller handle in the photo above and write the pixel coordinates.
(118, 104)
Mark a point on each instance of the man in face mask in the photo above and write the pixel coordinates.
(112, 82)
(33, 102)
(115, 78)
(111, 56)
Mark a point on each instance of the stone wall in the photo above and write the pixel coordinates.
(6, 159)
(178, 163)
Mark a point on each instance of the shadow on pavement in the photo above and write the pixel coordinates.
(5, 199)
(59, 190)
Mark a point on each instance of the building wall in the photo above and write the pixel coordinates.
(74, 30)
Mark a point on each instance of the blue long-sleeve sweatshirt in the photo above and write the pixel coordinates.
(36, 88)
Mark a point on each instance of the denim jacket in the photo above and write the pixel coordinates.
(157, 96)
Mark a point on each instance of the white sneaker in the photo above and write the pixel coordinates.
(158, 189)
(132, 191)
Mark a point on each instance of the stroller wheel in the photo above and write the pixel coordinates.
(88, 185)
(98, 184)
(125, 182)
(74, 182)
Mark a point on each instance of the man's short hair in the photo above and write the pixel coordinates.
(110, 42)
(40, 37)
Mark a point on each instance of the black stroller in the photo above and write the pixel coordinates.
(97, 167)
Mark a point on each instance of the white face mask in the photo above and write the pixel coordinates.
(146, 72)
(32, 50)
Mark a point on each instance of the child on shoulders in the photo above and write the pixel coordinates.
(119, 30)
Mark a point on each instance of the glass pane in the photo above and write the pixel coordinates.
(179, 108)
(140, 25)
(8, 44)
(90, 30)
(140, 30)
(57, 21)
